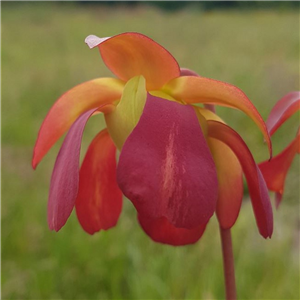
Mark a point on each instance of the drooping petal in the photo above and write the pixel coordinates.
(257, 186)
(65, 176)
(132, 54)
(230, 177)
(275, 170)
(165, 167)
(70, 106)
(188, 72)
(124, 118)
(192, 89)
(282, 110)
(99, 200)
(161, 231)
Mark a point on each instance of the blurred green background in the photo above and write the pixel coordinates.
(43, 55)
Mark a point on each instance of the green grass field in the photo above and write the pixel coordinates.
(43, 55)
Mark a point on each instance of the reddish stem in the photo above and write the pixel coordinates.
(228, 263)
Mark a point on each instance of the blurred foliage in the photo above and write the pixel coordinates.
(43, 55)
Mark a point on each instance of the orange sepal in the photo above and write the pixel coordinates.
(70, 106)
(192, 89)
(132, 54)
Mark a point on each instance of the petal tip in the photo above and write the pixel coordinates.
(35, 161)
(52, 226)
(92, 41)
(33, 164)
(267, 234)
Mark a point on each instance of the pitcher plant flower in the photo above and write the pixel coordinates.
(275, 170)
(178, 163)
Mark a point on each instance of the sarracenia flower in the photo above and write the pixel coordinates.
(178, 164)
(275, 170)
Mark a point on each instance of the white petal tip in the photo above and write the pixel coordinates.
(92, 41)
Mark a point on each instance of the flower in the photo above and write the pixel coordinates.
(178, 164)
(275, 170)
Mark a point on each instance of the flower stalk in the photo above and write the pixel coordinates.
(228, 264)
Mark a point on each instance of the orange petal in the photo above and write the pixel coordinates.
(69, 106)
(230, 177)
(192, 89)
(230, 183)
(275, 170)
(283, 110)
(188, 72)
(131, 54)
(99, 200)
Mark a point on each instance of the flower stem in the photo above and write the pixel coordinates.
(228, 263)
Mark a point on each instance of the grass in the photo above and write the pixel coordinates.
(43, 55)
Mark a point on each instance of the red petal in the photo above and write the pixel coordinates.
(161, 231)
(65, 176)
(257, 186)
(99, 199)
(131, 54)
(275, 170)
(70, 106)
(166, 168)
(282, 110)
